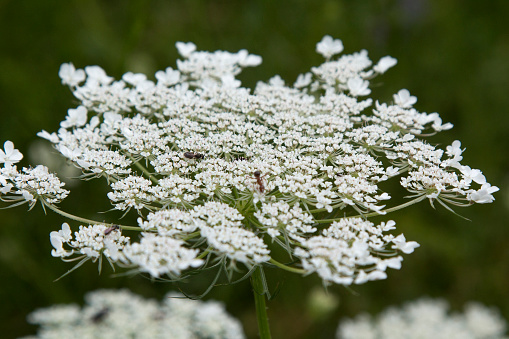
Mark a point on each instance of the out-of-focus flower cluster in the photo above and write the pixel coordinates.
(219, 173)
(122, 314)
(426, 319)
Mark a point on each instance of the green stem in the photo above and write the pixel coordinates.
(373, 214)
(261, 308)
(144, 170)
(287, 268)
(395, 208)
(87, 221)
(203, 254)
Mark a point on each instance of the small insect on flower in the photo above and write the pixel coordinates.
(258, 177)
(99, 316)
(111, 229)
(192, 155)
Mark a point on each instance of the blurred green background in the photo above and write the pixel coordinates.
(453, 55)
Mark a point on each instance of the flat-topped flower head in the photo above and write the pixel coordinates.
(226, 177)
(353, 251)
(90, 242)
(30, 185)
(429, 318)
(159, 255)
(122, 314)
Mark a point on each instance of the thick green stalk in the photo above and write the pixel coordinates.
(261, 308)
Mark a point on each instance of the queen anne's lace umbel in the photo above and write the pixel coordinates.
(426, 319)
(221, 173)
(122, 314)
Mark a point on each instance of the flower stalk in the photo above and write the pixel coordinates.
(85, 220)
(259, 294)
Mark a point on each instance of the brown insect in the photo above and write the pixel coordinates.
(99, 316)
(111, 229)
(192, 155)
(258, 177)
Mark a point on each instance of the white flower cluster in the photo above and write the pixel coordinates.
(279, 219)
(352, 251)
(426, 319)
(29, 184)
(122, 314)
(156, 255)
(90, 242)
(215, 169)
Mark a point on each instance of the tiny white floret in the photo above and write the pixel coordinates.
(70, 75)
(9, 155)
(384, 64)
(404, 99)
(75, 117)
(329, 46)
(185, 49)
